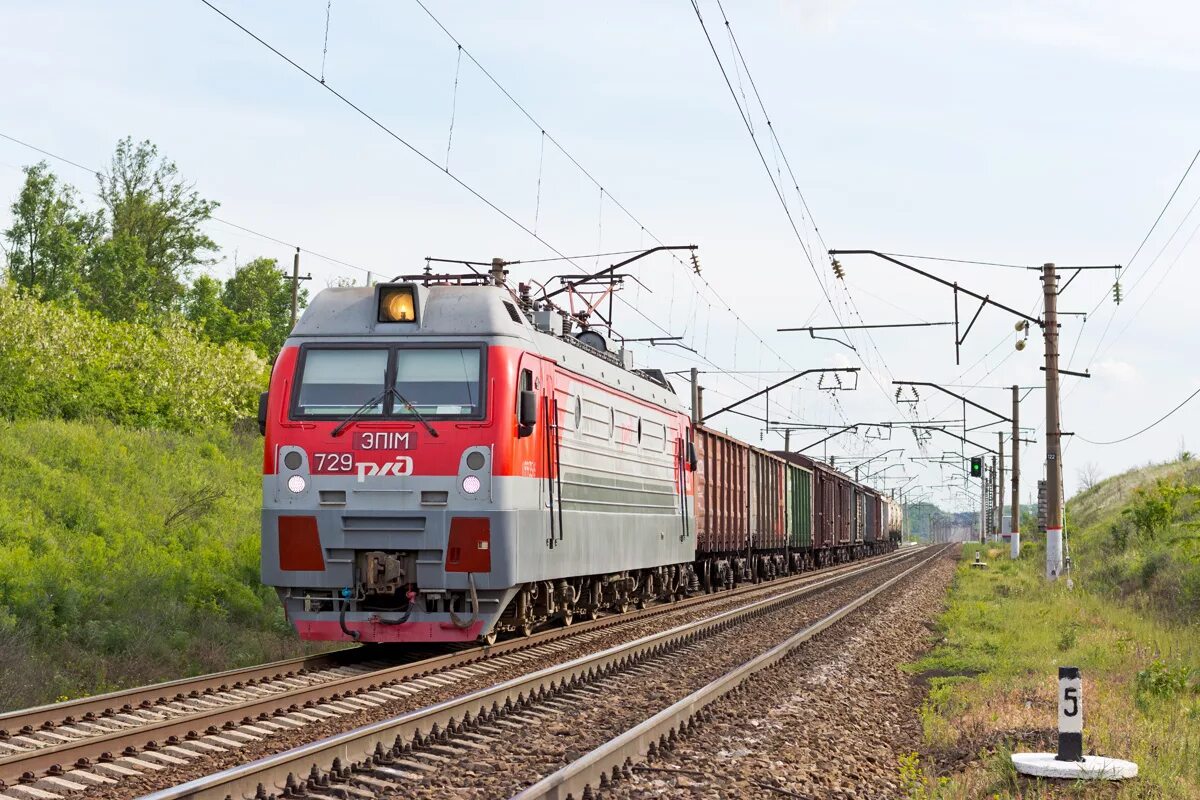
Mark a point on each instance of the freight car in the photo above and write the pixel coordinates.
(445, 461)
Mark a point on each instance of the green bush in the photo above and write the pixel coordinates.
(128, 556)
(66, 362)
(1160, 681)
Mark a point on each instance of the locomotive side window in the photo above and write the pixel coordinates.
(339, 381)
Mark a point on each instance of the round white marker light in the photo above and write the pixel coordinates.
(297, 484)
(471, 484)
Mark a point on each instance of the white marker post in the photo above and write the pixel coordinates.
(1070, 714)
(1070, 763)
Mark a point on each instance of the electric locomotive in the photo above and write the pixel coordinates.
(445, 461)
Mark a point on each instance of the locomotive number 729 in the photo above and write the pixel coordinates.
(334, 462)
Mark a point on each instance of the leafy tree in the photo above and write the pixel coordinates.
(119, 282)
(254, 307)
(49, 236)
(261, 297)
(205, 309)
(154, 218)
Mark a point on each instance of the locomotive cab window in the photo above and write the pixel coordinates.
(438, 382)
(337, 381)
(434, 382)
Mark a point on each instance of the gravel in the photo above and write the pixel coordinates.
(830, 721)
(513, 762)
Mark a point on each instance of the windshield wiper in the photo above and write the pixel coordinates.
(392, 390)
(359, 412)
(396, 393)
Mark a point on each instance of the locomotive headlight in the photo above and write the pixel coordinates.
(397, 304)
(297, 484)
(471, 484)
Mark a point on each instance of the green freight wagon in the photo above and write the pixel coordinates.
(799, 508)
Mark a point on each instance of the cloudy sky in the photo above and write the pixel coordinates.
(1011, 132)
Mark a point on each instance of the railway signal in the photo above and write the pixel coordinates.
(976, 467)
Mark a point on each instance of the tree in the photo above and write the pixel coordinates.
(253, 307)
(261, 297)
(49, 236)
(154, 217)
(1089, 475)
(205, 309)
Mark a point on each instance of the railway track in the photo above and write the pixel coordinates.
(62, 747)
(414, 753)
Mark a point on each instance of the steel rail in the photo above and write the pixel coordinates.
(96, 704)
(594, 768)
(20, 766)
(354, 746)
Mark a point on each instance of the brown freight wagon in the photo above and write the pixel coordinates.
(768, 501)
(722, 494)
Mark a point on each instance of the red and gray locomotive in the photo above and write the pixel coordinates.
(446, 461)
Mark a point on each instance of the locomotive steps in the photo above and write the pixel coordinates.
(119, 736)
(493, 738)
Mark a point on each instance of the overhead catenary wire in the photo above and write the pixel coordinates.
(1129, 262)
(746, 121)
(545, 135)
(960, 261)
(1184, 402)
(426, 158)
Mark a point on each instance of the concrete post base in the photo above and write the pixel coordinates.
(1092, 768)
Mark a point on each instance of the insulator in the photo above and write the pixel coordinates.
(695, 263)
(838, 271)
(1117, 293)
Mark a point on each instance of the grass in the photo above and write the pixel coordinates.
(992, 678)
(128, 556)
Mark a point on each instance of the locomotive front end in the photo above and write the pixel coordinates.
(391, 490)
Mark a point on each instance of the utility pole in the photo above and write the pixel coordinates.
(1054, 516)
(993, 507)
(787, 440)
(695, 396)
(295, 278)
(1014, 550)
(1000, 490)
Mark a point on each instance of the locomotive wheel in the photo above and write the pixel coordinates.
(526, 627)
(567, 617)
(488, 639)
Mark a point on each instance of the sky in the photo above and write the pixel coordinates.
(1009, 132)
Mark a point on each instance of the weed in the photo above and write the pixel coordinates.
(914, 783)
(1161, 681)
(1068, 637)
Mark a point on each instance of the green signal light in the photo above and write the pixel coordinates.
(976, 467)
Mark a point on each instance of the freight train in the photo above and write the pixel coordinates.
(446, 460)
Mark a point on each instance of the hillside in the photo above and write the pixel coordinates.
(1134, 535)
(1127, 619)
(128, 556)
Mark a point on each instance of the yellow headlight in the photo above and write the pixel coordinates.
(396, 304)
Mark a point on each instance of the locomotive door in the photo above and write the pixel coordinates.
(532, 376)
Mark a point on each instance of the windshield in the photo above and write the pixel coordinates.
(338, 382)
(437, 381)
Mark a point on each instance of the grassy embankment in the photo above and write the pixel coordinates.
(1129, 623)
(128, 556)
(128, 511)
